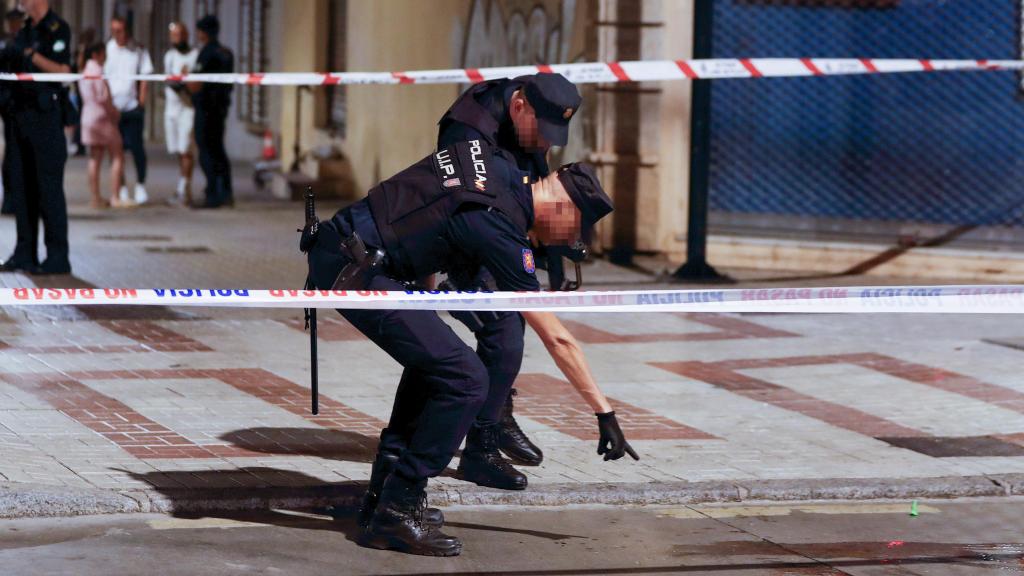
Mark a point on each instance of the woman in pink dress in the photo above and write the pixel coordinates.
(99, 125)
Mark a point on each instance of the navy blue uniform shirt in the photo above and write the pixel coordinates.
(51, 38)
(488, 238)
(214, 58)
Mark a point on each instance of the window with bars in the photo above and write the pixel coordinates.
(253, 57)
(335, 105)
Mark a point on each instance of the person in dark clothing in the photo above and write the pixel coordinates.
(13, 21)
(465, 207)
(38, 149)
(211, 102)
(524, 116)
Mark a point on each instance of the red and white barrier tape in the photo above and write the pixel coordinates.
(581, 73)
(1007, 299)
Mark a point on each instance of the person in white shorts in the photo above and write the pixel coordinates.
(179, 115)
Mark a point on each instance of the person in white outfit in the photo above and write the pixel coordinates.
(179, 115)
(126, 57)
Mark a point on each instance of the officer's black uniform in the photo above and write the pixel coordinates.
(212, 102)
(38, 152)
(7, 52)
(429, 218)
(482, 113)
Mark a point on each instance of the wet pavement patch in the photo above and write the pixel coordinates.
(953, 447)
(177, 249)
(134, 237)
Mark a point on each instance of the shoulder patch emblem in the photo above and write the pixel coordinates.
(452, 182)
(59, 46)
(529, 264)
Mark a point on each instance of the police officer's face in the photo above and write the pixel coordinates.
(525, 121)
(556, 219)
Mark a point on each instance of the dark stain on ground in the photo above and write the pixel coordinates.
(850, 554)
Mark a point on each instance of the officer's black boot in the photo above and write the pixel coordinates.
(383, 464)
(513, 441)
(481, 462)
(397, 524)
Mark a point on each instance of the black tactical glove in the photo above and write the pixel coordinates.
(612, 442)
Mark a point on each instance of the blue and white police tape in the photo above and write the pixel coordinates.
(976, 299)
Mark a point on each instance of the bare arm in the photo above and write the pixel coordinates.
(569, 357)
(143, 92)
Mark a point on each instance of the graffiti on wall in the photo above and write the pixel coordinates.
(518, 32)
(505, 33)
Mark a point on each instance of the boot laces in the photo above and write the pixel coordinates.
(420, 512)
(494, 458)
(511, 427)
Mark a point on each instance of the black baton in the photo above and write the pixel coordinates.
(308, 235)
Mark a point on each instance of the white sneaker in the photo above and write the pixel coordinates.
(123, 196)
(140, 194)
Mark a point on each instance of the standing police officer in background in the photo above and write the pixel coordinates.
(13, 21)
(465, 207)
(211, 102)
(524, 116)
(39, 150)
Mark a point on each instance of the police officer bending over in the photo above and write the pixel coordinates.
(524, 116)
(464, 207)
(38, 150)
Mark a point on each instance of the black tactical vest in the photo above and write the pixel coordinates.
(470, 112)
(412, 208)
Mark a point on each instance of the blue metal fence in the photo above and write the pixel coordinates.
(943, 148)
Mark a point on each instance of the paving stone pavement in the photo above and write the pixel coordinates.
(139, 408)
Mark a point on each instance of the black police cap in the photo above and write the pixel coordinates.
(209, 24)
(555, 100)
(580, 181)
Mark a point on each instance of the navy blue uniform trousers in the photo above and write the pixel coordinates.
(35, 158)
(444, 384)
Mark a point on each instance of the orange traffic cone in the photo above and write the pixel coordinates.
(269, 151)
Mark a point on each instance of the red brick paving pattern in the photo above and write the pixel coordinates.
(144, 438)
(555, 403)
(328, 329)
(724, 375)
(730, 328)
(112, 419)
(148, 336)
(154, 336)
(929, 376)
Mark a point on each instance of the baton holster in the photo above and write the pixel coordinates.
(362, 265)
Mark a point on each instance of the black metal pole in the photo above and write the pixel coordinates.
(314, 387)
(696, 267)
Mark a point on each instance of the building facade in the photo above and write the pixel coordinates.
(636, 134)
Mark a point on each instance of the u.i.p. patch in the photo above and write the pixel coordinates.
(529, 264)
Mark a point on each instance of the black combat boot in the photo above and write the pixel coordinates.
(513, 441)
(397, 524)
(383, 464)
(481, 462)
